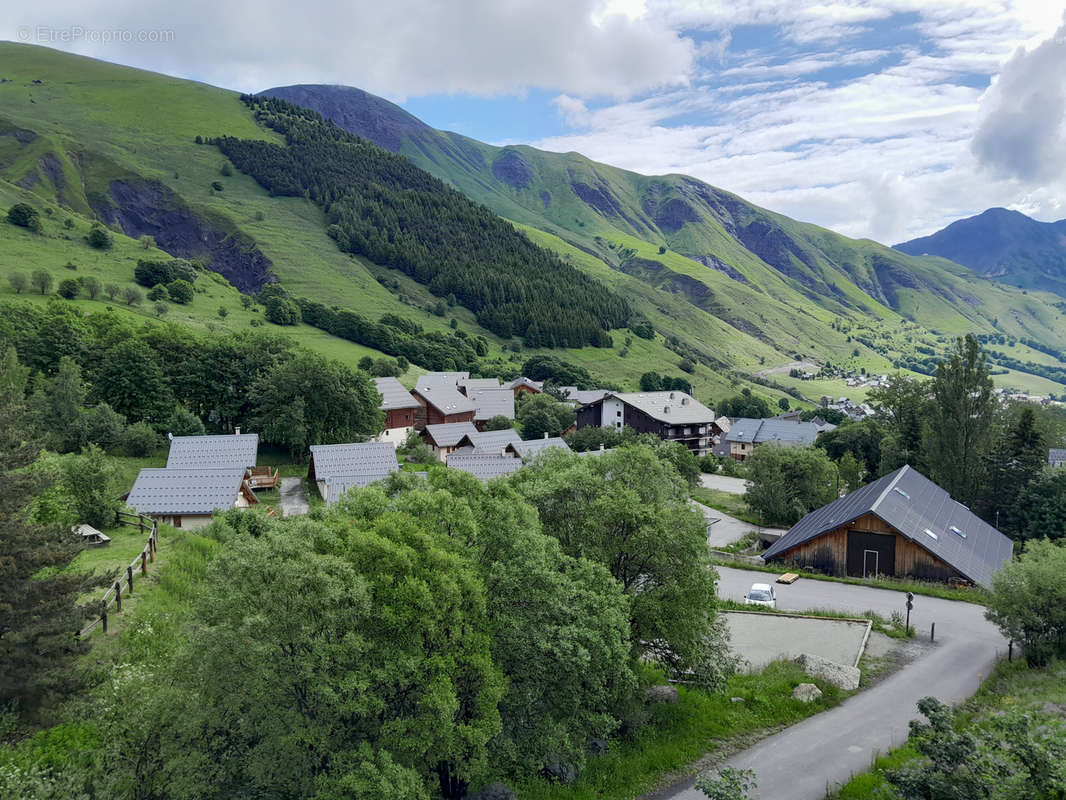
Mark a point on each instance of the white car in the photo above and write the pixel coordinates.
(761, 594)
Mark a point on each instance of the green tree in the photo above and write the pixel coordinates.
(91, 285)
(1028, 601)
(961, 417)
(318, 643)
(112, 290)
(282, 311)
(25, 216)
(1040, 510)
(38, 595)
(18, 282)
(157, 293)
(904, 405)
(539, 414)
(592, 436)
(160, 309)
(786, 483)
(99, 237)
(41, 280)
(184, 423)
(69, 289)
(746, 404)
(131, 381)
(651, 382)
(1015, 461)
(180, 291)
(498, 423)
(628, 510)
(140, 439)
(783, 403)
(105, 427)
(862, 440)
(90, 481)
(57, 407)
(309, 400)
(132, 295)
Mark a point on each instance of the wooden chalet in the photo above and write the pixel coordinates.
(187, 497)
(673, 416)
(440, 401)
(901, 525)
(401, 409)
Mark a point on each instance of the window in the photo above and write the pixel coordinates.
(957, 531)
(618, 413)
(901, 492)
(930, 534)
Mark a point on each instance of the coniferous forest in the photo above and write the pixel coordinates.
(379, 205)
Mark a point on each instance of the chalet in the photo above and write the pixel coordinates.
(440, 402)
(901, 525)
(746, 434)
(1056, 457)
(400, 409)
(485, 466)
(187, 497)
(335, 468)
(468, 385)
(489, 403)
(525, 450)
(582, 397)
(487, 442)
(524, 385)
(443, 439)
(672, 416)
(216, 452)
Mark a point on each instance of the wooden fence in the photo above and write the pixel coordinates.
(113, 596)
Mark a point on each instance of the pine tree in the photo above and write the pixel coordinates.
(38, 615)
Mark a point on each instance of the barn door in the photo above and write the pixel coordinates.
(871, 554)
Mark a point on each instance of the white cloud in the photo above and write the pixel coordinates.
(1022, 132)
(573, 110)
(397, 48)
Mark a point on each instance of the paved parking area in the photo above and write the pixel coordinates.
(724, 483)
(762, 638)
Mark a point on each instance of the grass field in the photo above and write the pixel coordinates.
(726, 502)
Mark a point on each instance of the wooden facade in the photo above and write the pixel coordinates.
(428, 414)
(866, 546)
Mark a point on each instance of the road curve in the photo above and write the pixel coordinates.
(804, 760)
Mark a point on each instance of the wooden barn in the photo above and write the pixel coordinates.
(901, 525)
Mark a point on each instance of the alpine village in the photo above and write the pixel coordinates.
(344, 456)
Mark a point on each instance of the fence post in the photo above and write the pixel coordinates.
(103, 620)
(151, 550)
(144, 563)
(118, 597)
(129, 577)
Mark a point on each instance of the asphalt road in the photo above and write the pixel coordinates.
(723, 529)
(820, 753)
(293, 501)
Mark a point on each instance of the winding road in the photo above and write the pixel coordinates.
(805, 760)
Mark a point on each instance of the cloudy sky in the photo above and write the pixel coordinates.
(880, 118)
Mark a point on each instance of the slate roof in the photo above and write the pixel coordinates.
(473, 384)
(915, 506)
(185, 491)
(485, 466)
(489, 403)
(484, 442)
(449, 434)
(1056, 457)
(337, 485)
(531, 447)
(675, 408)
(450, 378)
(524, 381)
(583, 396)
(443, 396)
(773, 430)
(214, 452)
(394, 395)
(334, 460)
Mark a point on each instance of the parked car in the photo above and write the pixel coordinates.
(761, 594)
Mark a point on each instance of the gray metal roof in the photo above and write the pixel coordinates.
(492, 442)
(394, 395)
(473, 384)
(337, 485)
(449, 434)
(185, 491)
(676, 408)
(489, 403)
(439, 378)
(772, 430)
(583, 396)
(332, 460)
(443, 396)
(214, 452)
(1056, 457)
(533, 446)
(485, 466)
(524, 381)
(922, 512)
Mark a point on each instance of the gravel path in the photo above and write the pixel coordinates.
(293, 500)
(724, 483)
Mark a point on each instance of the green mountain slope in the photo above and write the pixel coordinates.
(738, 290)
(1005, 245)
(739, 253)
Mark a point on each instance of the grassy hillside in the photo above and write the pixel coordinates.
(88, 126)
(774, 279)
